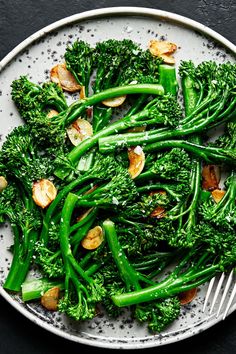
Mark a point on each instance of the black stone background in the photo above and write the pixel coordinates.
(18, 20)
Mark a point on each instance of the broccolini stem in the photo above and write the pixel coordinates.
(21, 264)
(201, 117)
(127, 272)
(167, 78)
(165, 289)
(79, 107)
(33, 289)
(125, 123)
(191, 95)
(85, 220)
(201, 106)
(82, 232)
(207, 153)
(137, 105)
(110, 143)
(64, 233)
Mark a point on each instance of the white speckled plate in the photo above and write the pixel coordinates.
(35, 56)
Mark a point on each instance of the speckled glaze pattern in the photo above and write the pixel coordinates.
(35, 60)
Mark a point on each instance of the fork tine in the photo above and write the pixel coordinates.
(217, 292)
(230, 301)
(227, 285)
(208, 293)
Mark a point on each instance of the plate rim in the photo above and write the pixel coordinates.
(117, 10)
(78, 17)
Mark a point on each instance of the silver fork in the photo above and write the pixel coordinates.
(228, 282)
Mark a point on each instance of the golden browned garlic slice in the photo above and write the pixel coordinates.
(44, 192)
(217, 195)
(163, 49)
(136, 161)
(82, 93)
(114, 102)
(168, 59)
(210, 177)
(158, 213)
(52, 113)
(50, 299)
(64, 78)
(93, 239)
(3, 183)
(79, 130)
(187, 296)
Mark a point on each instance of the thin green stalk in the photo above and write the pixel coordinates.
(53, 206)
(167, 78)
(127, 272)
(207, 153)
(20, 266)
(164, 289)
(78, 108)
(33, 289)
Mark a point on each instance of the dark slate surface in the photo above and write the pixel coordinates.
(19, 19)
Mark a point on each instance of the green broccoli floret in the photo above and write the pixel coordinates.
(223, 213)
(50, 262)
(121, 63)
(153, 312)
(146, 205)
(158, 314)
(137, 238)
(24, 164)
(34, 102)
(32, 99)
(118, 192)
(228, 139)
(173, 165)
(80, 61)
(22, 157)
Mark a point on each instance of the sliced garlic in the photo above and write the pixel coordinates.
(187, 296)
(43, 192)
(93, 239)
(52, 113)
(168, 59)
(158, 213)
(210, 177)
(217, 195)
(136, 161)
(114, 102)
(3, 183)
(82, 93)
(163, 49)
(64, 78)
(50, 299)
(79, 130)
